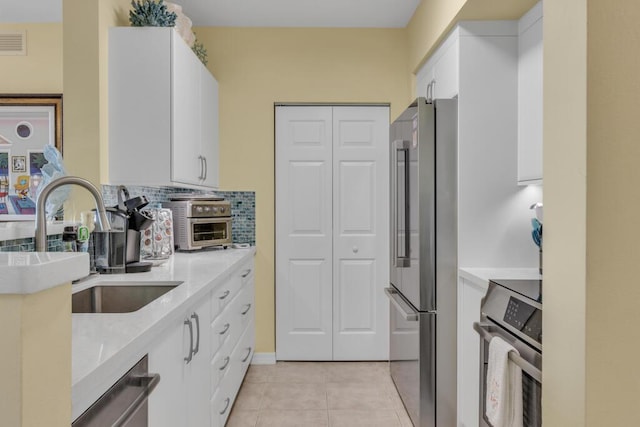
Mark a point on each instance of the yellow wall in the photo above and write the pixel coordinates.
(433, 19)
(613, 203)
(565, 196)
(40, 71)
(36, 358)
(256, 67)
(85, 36)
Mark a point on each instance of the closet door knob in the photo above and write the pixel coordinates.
(355, 249)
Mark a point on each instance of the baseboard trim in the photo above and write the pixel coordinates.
(263, 359)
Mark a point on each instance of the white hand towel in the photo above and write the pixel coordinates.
(504, 386)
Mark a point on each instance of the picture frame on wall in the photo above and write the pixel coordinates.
(27, 124)
(18, 163)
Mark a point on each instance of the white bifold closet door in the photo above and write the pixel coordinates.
(332, 238)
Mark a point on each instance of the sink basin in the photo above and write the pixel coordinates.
(118, 297)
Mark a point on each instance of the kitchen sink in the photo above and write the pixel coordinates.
(118, 297)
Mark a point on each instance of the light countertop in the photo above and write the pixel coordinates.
(30, 272)
(481, 276)
(13, 230)
(105, 346)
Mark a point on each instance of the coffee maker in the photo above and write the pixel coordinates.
(118, 251)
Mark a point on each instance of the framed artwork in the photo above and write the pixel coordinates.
(27, 124)
(18, 163)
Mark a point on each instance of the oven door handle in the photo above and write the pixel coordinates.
(483, 329)
(404, 308)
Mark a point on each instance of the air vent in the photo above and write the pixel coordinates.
(13, 42)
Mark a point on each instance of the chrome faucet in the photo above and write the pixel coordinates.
(41, 222)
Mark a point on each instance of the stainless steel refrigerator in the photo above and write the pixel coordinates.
(424, 260)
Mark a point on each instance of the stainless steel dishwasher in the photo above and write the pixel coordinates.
(125, 404)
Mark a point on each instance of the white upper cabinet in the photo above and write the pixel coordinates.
(438, 78)
(530, 97)
(163, 111)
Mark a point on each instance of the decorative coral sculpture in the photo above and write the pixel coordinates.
(151, 13)
(200, 51)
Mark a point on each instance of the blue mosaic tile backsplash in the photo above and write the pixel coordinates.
(243, 206)
(243, 212)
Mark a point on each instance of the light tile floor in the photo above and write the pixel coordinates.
(310, 394)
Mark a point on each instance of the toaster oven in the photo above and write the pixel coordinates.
(200, 223)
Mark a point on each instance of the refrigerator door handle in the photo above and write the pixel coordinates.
(407, 312)
(403, 260)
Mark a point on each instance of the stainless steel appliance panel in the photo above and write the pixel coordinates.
(200, 223)
(424, 260)
(529, 360)
(125, 403)
(412, 359)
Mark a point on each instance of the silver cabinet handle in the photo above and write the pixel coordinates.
(226, 406)
(225, 329)
(225, 294)
(190, 356)
(197, 318)
(248, 354)
(201, 176)
(483, 330)
(205, 168)
(226, 363)
(404, 308)
(149, 383)
(247, 310)
(246, 273)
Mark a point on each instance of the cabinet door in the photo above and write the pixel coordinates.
(168, 403)
(530, 98)
(469, 299)
(187, 165)
(197, 371)
(209, 127)
(446, 70)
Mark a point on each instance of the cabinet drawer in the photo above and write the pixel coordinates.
(224, 294)
(220, 365)
(228, 387)
(221, 331)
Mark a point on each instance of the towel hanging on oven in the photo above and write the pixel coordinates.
(503, 404)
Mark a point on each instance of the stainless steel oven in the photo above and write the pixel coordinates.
(199, 223)
(512, 310)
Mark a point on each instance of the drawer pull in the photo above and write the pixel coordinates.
(190, 356)
(247, 356)
(246, 273)
(226, 363)
(247, 310)
(225, 294)
(226, 406)
(197, 318)
(226, 328)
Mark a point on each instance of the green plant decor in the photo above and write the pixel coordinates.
(151, 13)
(200, 51)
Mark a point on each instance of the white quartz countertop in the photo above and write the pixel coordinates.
(481, 276)
(31, 272)
(105, 346)
(13, 230)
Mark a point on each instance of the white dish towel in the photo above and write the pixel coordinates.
(504, 386)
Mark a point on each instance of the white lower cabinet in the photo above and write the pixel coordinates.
(203, 358)
(470, 295)
(179, 357)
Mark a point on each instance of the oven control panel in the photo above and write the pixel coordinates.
(525, 318)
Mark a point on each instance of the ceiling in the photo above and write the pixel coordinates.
(250, 13)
